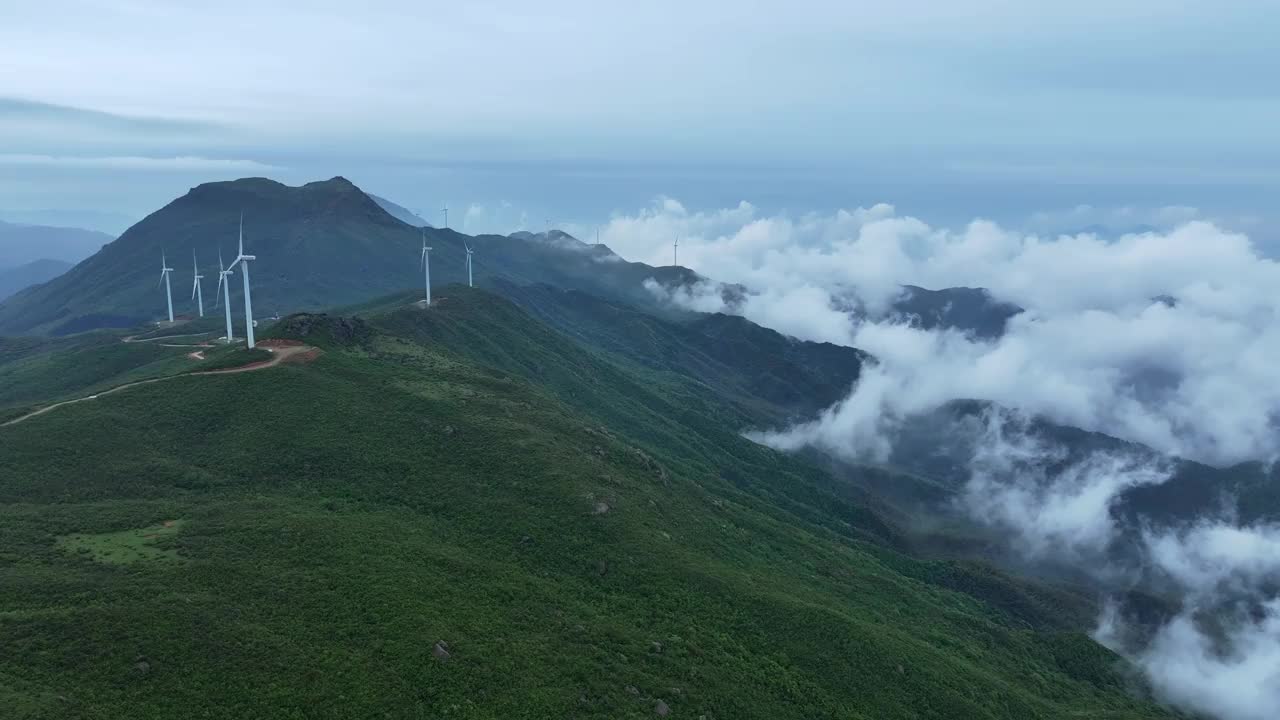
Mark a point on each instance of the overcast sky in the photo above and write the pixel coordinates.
(571, 111)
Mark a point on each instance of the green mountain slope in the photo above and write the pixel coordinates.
(459, 512)
(777, 377)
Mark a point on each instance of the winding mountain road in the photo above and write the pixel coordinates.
(279, 354)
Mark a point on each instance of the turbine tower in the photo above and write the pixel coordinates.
(469, 252)
(196, 293)
(164, 278)
(675, 253)
(426, 264)
(225, 286)
(243, 261)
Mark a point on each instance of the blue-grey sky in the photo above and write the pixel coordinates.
(572, 110)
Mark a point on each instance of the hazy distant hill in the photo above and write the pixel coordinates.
(401, 213)
(973, 310)
(33, 273)
(22, 244)
(321, 245)
(105, 221)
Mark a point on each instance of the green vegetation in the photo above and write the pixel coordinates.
(126, 546)
(36, 371)
(587, 537)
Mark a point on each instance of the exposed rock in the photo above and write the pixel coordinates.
(655, 646)
(448, 430)
(441, 651)
(602, 567)
(649, 463)
(601, 507)
(632, 689)
(662, 708)
(344, 330)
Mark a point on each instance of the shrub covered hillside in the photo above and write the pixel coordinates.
(459, 512)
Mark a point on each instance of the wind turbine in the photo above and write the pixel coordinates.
(225, 286)
(469, 252)
(675, 253)
(243, 261)
(196, 292)
(164, 278)
(426, 264)
(445, 210)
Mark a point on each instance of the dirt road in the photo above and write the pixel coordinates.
(279, 353)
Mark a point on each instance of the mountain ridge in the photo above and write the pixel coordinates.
(319, 245)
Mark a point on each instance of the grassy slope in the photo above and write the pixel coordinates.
(38, 371)
(398, 491)
(774, 377)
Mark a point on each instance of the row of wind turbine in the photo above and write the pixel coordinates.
(224, 286)
(425, 264)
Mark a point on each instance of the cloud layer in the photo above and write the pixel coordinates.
(1161, 337)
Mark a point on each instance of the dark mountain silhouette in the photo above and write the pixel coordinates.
(321, 245)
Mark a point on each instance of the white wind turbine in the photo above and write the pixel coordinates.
(225, 286)
(243, 261)
(164, 278)
(426, 264)
(469, 252)
(196, 293)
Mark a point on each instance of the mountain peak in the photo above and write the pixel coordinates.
(335, 183)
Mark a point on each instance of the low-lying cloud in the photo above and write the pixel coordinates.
(1164, 337)
(1219, 651)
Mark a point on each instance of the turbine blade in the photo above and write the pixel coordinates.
(242, 232)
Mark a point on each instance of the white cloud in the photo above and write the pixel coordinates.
(133, 162)
(1095, 348)
(1190, 668)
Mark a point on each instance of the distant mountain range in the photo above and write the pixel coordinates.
(111, 223)
(33, 273)
(328, 244)
(21, 244)
(321, 245)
